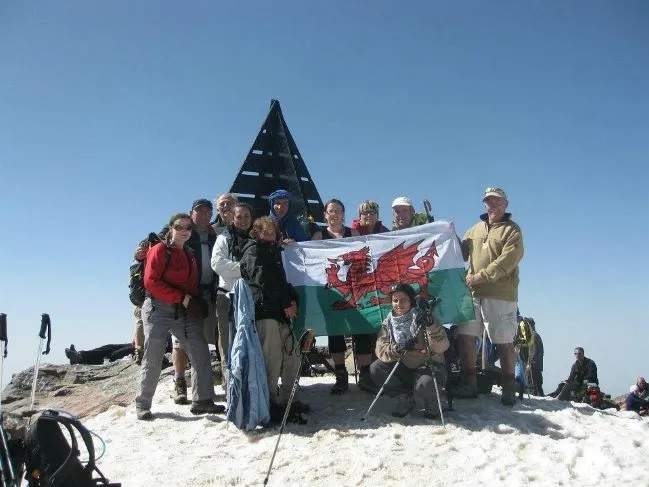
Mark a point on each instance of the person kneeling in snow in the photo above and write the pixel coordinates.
(402, 337)
(275, 306)
(638, 398)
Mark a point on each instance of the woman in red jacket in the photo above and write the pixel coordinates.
(173, 306)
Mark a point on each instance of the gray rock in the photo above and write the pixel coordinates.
(83, 390)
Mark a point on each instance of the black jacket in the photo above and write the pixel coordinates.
(584, 371)
(262, 269)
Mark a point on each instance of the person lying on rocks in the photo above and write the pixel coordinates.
(97, 356)
(111, 352)
(401, 336)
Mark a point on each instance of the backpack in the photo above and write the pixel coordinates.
(50, 461)
(526, 333)
(136, 291)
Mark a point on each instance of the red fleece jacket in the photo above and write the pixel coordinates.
(378, 228)
(180, 275)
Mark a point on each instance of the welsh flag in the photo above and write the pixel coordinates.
(343, 284)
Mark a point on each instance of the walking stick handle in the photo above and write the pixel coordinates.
(3, 327)
(46, 327)
(45, 323)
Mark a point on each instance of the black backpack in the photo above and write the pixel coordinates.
(50, 461)
(136, 291)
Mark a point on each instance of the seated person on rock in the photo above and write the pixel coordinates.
(402, 336)
(583, 371)
(638, 398)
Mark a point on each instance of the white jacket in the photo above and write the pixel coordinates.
(222, 263)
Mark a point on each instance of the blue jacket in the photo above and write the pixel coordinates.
(248, 387)
(289, 225)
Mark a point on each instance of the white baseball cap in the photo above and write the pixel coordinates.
(401, 201)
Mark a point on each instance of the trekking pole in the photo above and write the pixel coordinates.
(7, 468)
(432, 372)
(305, 343)
(3, 352)
(354, 360)
(378, 394)
(46, 326)
(428, 307)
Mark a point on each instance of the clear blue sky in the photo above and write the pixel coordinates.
(113, 115)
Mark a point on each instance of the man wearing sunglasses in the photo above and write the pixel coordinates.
(493, 247)
(583, 371)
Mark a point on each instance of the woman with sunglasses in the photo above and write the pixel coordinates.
(173, 306)
(334, 215)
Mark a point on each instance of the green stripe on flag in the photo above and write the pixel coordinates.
(317, 306)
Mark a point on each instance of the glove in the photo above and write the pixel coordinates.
(426, 305)
(409, 344)
(425, 318)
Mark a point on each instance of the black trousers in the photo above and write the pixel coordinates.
(536, 386)
(112, 352)
(363, 344)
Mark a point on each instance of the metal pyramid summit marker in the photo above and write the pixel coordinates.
(274, 162)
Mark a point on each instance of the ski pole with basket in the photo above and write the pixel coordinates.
(305, 344)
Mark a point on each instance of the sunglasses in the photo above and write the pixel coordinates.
(181, 228)
(368, 212)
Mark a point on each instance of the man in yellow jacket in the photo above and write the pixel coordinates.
(493, 247)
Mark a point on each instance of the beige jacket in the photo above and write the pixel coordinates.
(413, 359)
(494, 252)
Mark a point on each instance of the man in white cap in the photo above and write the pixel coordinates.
(404, 216)
(493, 247)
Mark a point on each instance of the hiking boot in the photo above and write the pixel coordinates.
(342, 382)
(405, 404)
(468, 388)
(430, 414)
(509, 392)
(143, 414)
(72, 355)
(180, 391)
(206, 406)
(276, 413)
(366, 383)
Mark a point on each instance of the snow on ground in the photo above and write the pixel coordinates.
(540, 441)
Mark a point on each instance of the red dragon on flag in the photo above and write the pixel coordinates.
(396, 265)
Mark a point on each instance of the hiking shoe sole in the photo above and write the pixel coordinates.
(207, 408)
(144, 414)
(182, 400)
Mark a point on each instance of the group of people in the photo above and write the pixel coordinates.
(189, 274)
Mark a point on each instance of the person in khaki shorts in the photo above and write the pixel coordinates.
(494, 248)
